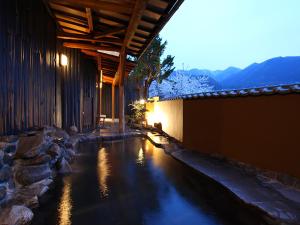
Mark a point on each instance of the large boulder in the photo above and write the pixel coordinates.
(10, 148)
(9, 139)
(43, 158)
(73, 130)
(28, 195)
(16, 215)
(5, 173)
(1, 158)
(48, 130)
(59, 134)
(35, 189)
(64, 167)
(31, 146)
(2, 192)
(8, 159)
(72, 142)
(26, 199)
(68, 154)
(2, 144)
(54, 151)
(26, 175)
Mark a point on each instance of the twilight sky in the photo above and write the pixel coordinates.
(216, 34)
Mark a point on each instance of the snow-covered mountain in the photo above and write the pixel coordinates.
(183, 82)
(276, 71)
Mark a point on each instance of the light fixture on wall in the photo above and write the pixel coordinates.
(101, 78)
(63, 60)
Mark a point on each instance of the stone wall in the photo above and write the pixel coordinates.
(28, 164)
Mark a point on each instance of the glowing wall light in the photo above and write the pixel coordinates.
(142, 101)
(63, 60)
(157, 116)
(101, 78)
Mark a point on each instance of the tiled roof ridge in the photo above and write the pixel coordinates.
(255, 91)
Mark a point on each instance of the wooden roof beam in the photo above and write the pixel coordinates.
(107, 56)
(55, 5)
(98, 5)
(73, 26)
(66, 36)
(60, 16)
(113, 70)
(89, 47)
(107, 79)
(113, 31)
(138, 10)
(90, 19)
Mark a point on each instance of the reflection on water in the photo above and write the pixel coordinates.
(103, 171)
(140, 159)
(139, 185)
(155, 153)
(65, 205)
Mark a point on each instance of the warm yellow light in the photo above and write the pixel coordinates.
(103, 171)
(157, 116)
(101, 85)
(140, 159)
(101, 76)
(65, 205)
(63, 60)
(156, 98)
(142, 101)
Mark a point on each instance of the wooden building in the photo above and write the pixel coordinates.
(96, 37)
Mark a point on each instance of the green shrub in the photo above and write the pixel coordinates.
(138, 112)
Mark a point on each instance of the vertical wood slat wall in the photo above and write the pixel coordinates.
(34, 89)
(107, 100)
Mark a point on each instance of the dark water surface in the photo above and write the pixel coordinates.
(131, 182)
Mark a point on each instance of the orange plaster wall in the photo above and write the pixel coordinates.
(263, 131)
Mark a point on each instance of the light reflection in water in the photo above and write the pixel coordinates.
(140, 159)
(65, 205)
(155, 153)
(103, 171)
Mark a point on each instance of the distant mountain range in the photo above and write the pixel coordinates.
(275, 71)
(281, 70)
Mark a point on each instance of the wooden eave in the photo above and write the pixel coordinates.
(111, 25)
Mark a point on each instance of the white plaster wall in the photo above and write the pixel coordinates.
(170, 114)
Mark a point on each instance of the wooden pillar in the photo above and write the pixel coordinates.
(101, 86)
(121, 90)
(113, 102)
(99, 89)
